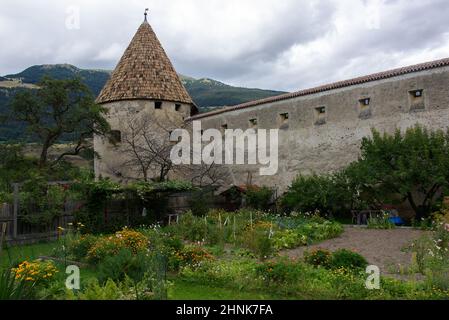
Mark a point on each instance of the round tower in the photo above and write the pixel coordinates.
(145, 100)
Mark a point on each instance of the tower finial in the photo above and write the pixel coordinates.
(146, 13)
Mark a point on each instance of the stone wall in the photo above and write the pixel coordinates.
(315, 141)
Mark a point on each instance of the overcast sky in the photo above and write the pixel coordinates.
(285, 45)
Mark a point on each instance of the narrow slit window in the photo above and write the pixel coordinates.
(284, 117)
(417, 102)
(321, 110)
(158, 105)
(115, 136)
(417, 93)
(365, 102)
(253, 123)
(320, 115)
(177, 107)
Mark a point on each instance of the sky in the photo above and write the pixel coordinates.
(283, 45)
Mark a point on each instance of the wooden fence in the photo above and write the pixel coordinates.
(16, 215)
(19, 229)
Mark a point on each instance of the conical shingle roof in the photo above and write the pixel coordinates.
(144, 72)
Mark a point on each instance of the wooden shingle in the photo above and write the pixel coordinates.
(144, 72)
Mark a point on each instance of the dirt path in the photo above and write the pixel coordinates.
(380, 247)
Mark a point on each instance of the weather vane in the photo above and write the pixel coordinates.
(146, 13)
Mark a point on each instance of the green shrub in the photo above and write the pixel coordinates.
(105, 247)
(258, 241)
(381, 222)
(259, 198)
(94, 291)
(12, 288)
(344, 258)
(282, 271)
(79, 248)
(325, 193)
(237, 273)
(190, 227)
(192, 256)
(288, 239)
(136, 267)
(319, 231)
(120, 265)
(318, 257)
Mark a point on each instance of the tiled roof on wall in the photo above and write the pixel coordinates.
(144, 72)
(332, 86)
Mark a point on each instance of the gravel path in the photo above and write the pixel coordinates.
(383, 248)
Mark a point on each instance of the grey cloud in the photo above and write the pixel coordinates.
(278, 45)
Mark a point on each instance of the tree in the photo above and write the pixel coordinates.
(60, 109)
(413, 166)
(147, 148)
(146, 144)
(329, 194)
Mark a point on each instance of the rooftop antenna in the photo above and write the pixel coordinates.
(146, 13)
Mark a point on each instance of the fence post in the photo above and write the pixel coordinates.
(2, 236)
(16, 209)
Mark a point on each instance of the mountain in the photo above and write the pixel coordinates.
(205, 92)
(94, 79)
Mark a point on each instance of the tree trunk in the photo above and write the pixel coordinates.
(44, 154)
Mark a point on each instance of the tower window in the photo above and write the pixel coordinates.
(253, 123)
(177, 107)
(284, 117)
(115, 136)
(158, 105)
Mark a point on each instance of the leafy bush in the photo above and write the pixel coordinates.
(192, 256)
(381, 222)
(259, 198)
(79, 248)
(318, 257)
(258, 240)
(236, 273)
(190, 227)
(281, 271)
(94, 291)
(288, 239)
(344, 258)
(109, 246)
(124, 264)
(14, 288)
(326, 193)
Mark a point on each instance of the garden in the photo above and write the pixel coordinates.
(119, 238)
(220, 255)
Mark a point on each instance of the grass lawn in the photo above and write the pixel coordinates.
(16, 254)
(182, 290)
